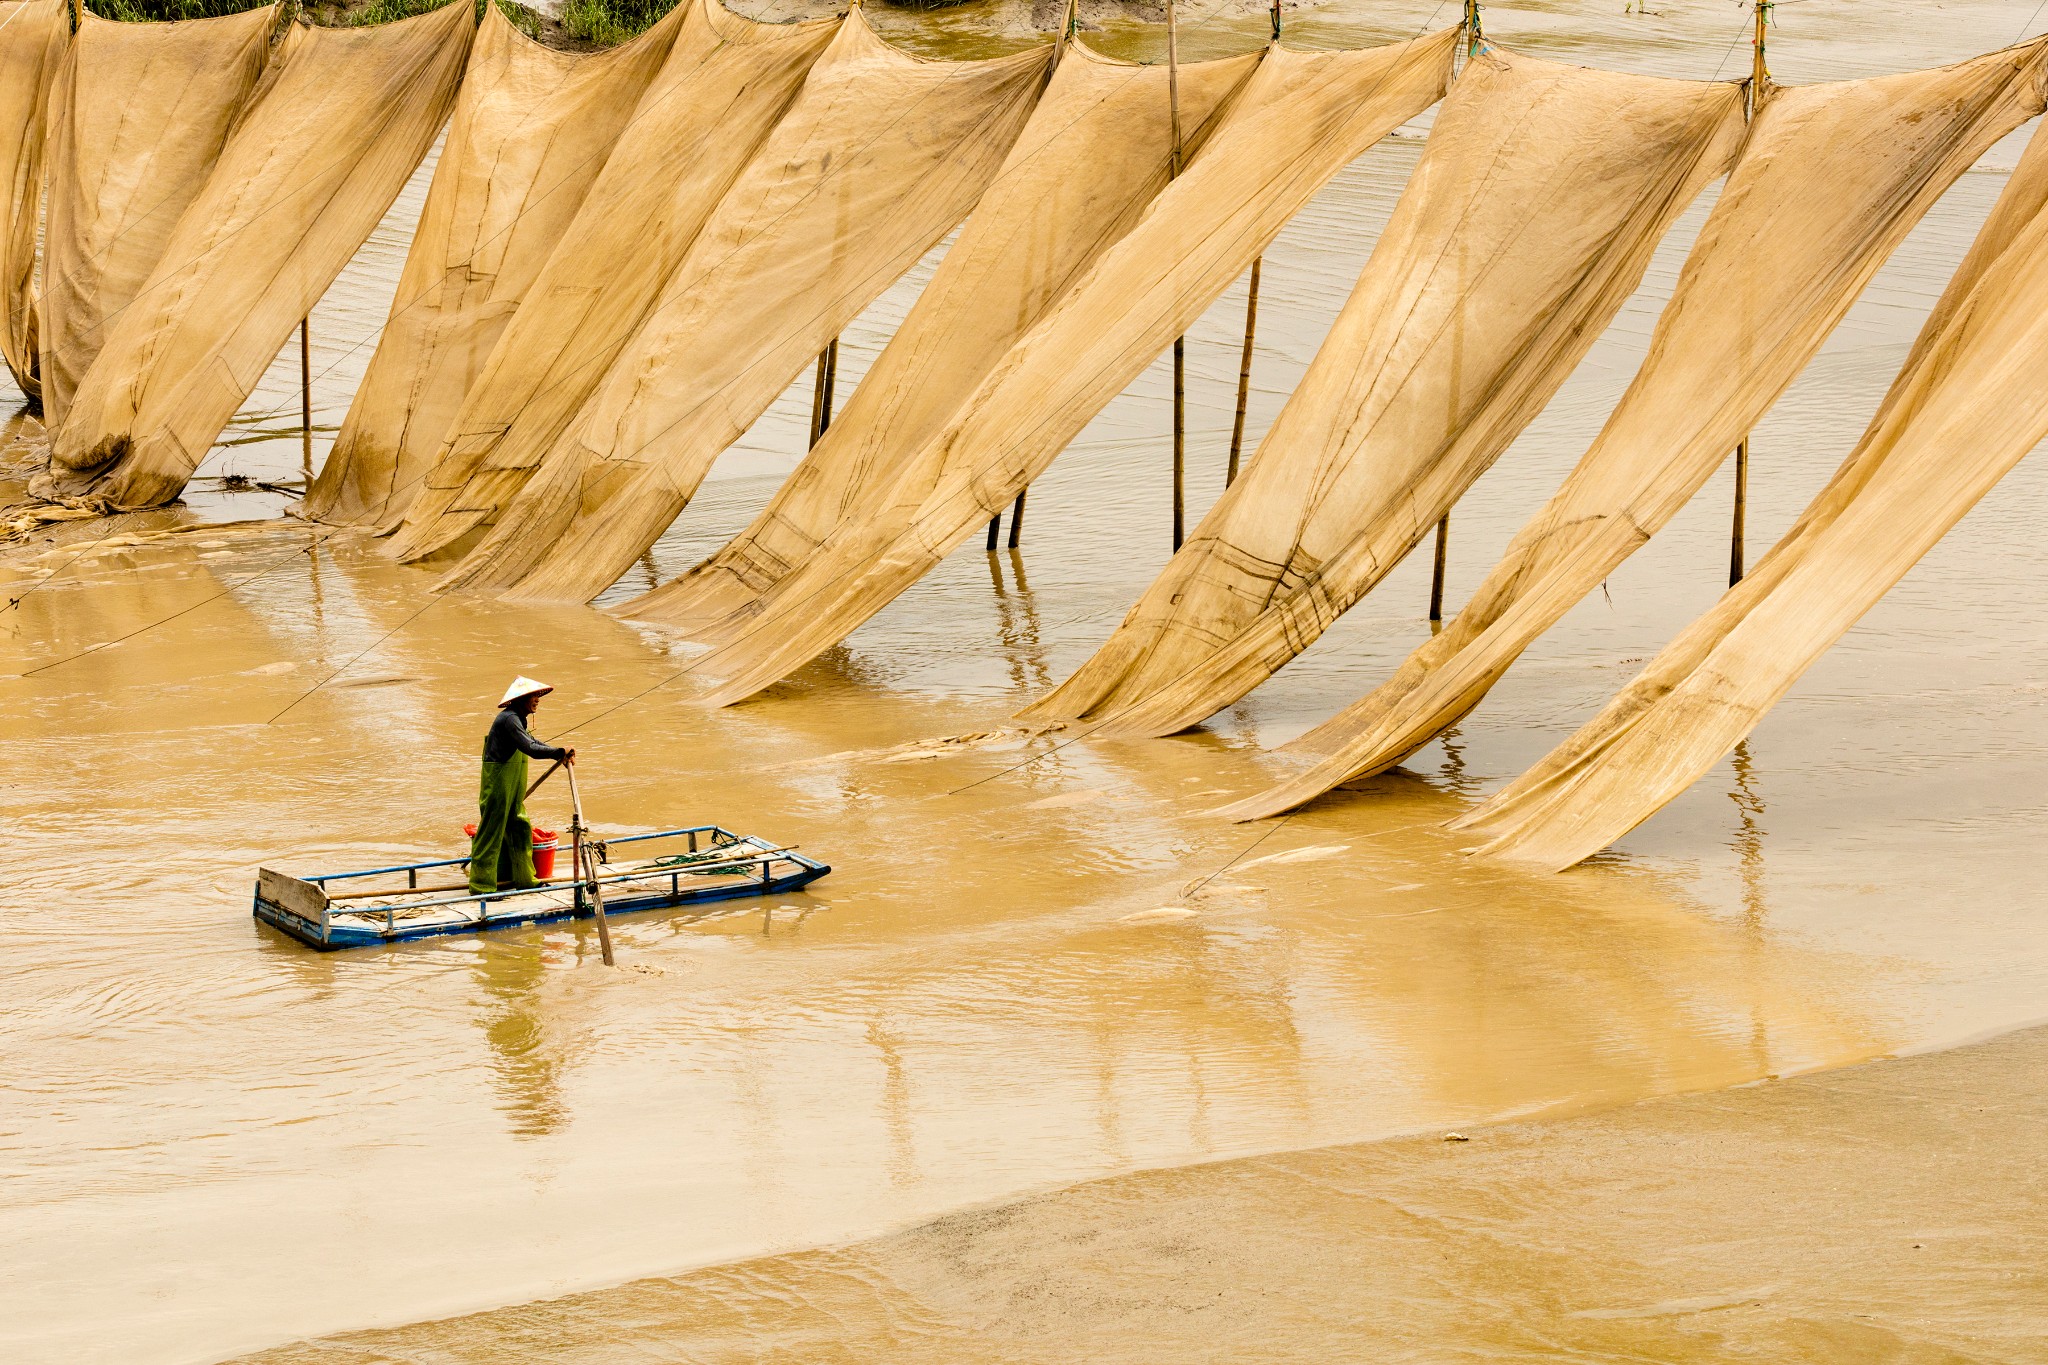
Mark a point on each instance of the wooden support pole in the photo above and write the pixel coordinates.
(1759, 88)
(1741, 511)
(1436, 582)
(995, 531)
(1180, 348)
(821, 390)
(1759, 70)
(306, 400)
(1017, 521)
(1244, 362)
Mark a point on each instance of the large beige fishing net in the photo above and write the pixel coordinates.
(32, 40)
(1530, 219)
(531, 130)
(138, 115)
(1299, 120)
(341, 118)
(727, 82)
(879, 158)
(1095, 153)
(1968, 405)
(1832, 179)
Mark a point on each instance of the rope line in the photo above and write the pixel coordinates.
(215, 597)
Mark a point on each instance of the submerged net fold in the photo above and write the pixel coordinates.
(881, 156)
(1968, 405)
(340, 120)
(33, 35)
(1530, 219)
(530, 133)
(138, 116)
(1830, 181)
(1299, 120)
(1095, 153)
(727, 82)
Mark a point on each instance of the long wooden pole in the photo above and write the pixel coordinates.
(821, 390)
(1436, 582)
(1443, 527)
(1244, 361)
(1180, 343)
(587, 869)
(1251, 327)
(1070, 24)
(306, 400)
(1741, 511)
(1759, 87)
(534, 786)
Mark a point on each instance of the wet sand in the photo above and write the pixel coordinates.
(1895, 1212)
(1038, 962)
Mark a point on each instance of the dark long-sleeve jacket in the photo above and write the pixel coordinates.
(508, 734)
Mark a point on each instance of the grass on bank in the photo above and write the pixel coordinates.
(599, 23)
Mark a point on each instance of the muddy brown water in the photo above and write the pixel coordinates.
(1036, 962)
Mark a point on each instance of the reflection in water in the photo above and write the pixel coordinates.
(1017, 626)
(527, 1065)
(1749, 837)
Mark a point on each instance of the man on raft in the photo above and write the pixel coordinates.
(501, 854)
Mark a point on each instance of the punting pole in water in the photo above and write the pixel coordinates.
(1759, 80)
(1180, 346)
(586, 870)
(306, 402)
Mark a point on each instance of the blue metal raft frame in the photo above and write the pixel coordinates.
(730, 866)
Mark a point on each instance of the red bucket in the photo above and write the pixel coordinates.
(544, 846)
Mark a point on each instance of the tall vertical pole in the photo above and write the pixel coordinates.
(1244, 370)
(306, 401)
(1741, 511)
(1070, 23)
(1180, 348)
(1436, 583)
(821, 390)
(1473, 36)
(1251, 327)
(1759, 90)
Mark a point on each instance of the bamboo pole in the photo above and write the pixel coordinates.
(821, 390)
(578, 863)
(1436, 582)
(1741, 511)
(1759, 88)
(1244, 362)
(1473, 36)
(1251, 327)
(306, 401)
(1180, 347)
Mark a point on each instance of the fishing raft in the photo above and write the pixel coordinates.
(359, 909)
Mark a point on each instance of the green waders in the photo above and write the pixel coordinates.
(502, 852)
